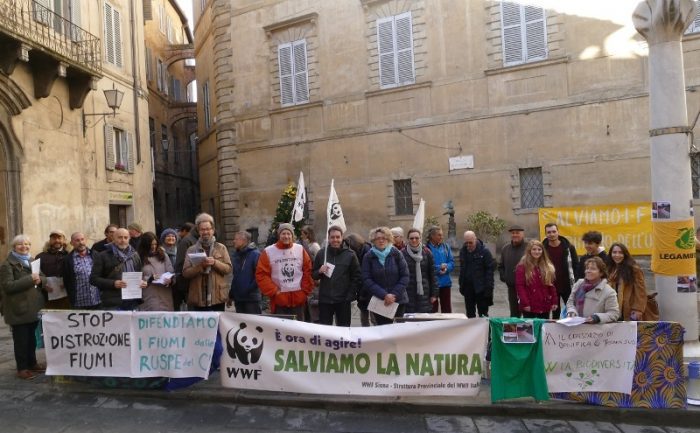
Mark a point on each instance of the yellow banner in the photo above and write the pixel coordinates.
(674, 247)
(628, 223)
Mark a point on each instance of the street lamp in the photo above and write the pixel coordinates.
(114, 98)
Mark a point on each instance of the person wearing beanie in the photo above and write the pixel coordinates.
(284, 274)
(168, 240)
(135, 231)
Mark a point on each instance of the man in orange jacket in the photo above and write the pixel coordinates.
(284, 274)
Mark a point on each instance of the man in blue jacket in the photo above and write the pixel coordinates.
(444, 264)
(244, 292)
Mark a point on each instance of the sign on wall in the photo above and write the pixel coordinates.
(628, 223)
(267, 353)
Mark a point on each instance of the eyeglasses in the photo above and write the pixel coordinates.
(380, 238)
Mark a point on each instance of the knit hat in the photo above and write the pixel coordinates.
(285, 226)
(57, 232)
(167, 232)
(135, 226)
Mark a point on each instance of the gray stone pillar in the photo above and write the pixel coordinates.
(662, 23)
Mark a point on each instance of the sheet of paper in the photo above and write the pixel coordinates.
(133, 285)
(58, 291)
(36, 266)
(196, 258)
(165, 276)
(329, 271)
(572, 321)
(377, 306)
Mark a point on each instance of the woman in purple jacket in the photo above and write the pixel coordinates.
(385, 273)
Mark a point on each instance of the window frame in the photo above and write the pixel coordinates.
(526, 191)
(403, 200)
(525, 36)
(395, 54)
(298, 79)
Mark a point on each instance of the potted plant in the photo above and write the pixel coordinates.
(487, 227)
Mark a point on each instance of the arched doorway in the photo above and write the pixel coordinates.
(12, 102)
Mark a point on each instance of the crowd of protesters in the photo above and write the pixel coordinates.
(188, 269)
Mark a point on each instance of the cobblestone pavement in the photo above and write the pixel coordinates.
(50, 405)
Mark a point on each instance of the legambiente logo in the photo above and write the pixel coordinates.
(686, 238)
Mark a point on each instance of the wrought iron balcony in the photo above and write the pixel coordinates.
(32, 23)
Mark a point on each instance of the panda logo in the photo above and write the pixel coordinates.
(288, 270)
(336, 211)
(246, 344)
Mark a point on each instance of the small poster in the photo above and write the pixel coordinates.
(518, 333)
(687, 284)
(661, 210)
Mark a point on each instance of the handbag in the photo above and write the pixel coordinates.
(651, 312)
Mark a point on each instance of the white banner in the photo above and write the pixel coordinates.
(269, 353)
(83, 343)
(169, 344)
(598, 358)
(299, 200)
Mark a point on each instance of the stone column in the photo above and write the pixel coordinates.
(662, 23)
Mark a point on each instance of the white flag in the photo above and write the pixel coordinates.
(300, 201)
(419, 219)
(334, 212)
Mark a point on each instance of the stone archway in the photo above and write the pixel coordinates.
(12, 102)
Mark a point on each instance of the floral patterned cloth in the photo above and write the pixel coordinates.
(659, 373)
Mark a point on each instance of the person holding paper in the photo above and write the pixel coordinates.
(534, 283)
(422, 288)
(208, 288)
(385, 273)
(22, 298)
(157, 296)
(107, 270)
(284, 274)
(340, 280)
(592, 297)
(55, 251)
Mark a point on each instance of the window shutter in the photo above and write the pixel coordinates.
(512, 33)
(535, 33)
(284, 55)
(301, 77)
(176, 89)
(41, 11)
(166, 81)
(404, 48)
(147, 10)
(109, 147)
(161, 16)
(109, 34)
(129, 154)
(74, 18)
(695, 25)
(149, 72)
(117, 38)
(385, 45)
(159, 75)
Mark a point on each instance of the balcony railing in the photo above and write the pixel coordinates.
(33, 23)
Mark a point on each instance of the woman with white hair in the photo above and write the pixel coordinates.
(22, 298)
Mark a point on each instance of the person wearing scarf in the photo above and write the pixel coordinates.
(385, 272)
(168, 240)
(208, 289)
(422, 287)
(108, 267)
(22, 298)
(592, 297)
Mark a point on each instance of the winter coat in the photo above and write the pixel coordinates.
(392, 278)
(364, 295)
(196, 295)
(535, 293)
(476, 270)
(157, 297)
(52, 262)
(510, 257)
(630, 296)
(601, 301)
(106, 270)
(442, 254)
(569, 260)
(21, 299)
(421, 303)
(295, 298)
(244, 287)
(346, 279)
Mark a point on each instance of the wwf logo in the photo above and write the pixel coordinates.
(245, 344)
(288, 270)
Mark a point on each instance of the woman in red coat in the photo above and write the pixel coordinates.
(534, 282)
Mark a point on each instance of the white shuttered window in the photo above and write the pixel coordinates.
(694, 27)
(113, 35)
(524, 33)
(294, 77)
(395, 45)
(118, 155)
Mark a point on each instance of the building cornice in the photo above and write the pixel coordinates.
(303, 19)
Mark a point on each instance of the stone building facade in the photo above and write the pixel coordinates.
(68, 160)
(505, 106)
(172, 122)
